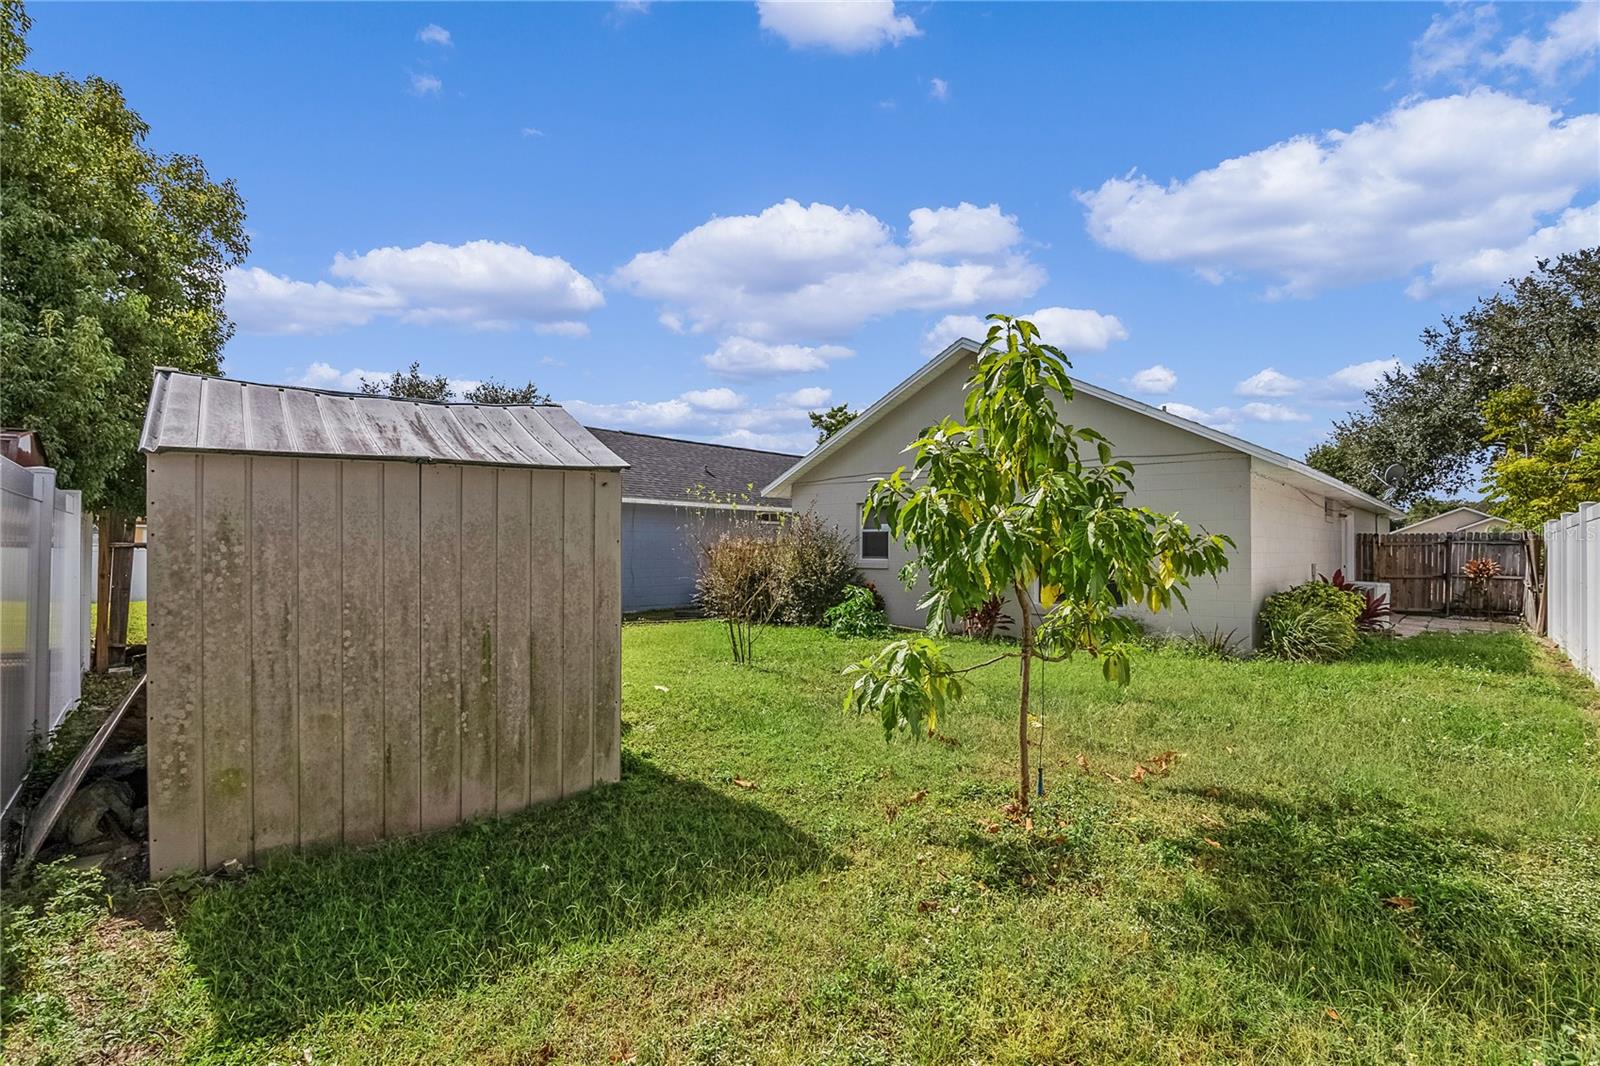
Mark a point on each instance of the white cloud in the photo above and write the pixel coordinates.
(1345, 383)
(1486, 268)
(741, 357)
(840, 25)
(1269, 382)
(1273, 412)
(1155, 380)
(1228, 419)
(965, 229)
(718, 399)
(530, 131)
(819, 272)
(479, 284)
(1461, 44)
(1069, 328)
(433, 33)
(1412, 188)
(938, 89)
(809, 398)
(425, 84)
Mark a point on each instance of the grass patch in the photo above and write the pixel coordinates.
(1393, 858)
(138, 621)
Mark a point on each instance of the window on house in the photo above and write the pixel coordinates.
(769, 517)
(875, 535)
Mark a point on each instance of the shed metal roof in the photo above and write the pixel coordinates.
(192, 413)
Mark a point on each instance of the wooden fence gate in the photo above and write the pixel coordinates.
(1424, 571)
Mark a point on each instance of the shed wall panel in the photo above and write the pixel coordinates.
(402, 674)
(479, 640)
(274, 653)
(607, 626)
(577, 624)
(343, 650)
(319, 619)
(513, 648)
(547, 524)
(225, 655)
(176, 756)
(362, 661)
(441, 645)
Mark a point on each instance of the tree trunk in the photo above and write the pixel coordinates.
(1026, 668)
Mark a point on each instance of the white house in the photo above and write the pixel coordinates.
(1457, 520)
(1288, 521)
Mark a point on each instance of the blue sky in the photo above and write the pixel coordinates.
(704, 219)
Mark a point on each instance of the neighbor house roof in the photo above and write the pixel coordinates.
(966, 349)
(1422, 525)
(192, 413)
(691, 473)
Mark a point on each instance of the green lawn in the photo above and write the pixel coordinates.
(1394, 859)
(138, 630)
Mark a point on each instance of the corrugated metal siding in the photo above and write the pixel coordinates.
(191, 413)
(345, 650)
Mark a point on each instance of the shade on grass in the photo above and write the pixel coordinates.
(1393, 858)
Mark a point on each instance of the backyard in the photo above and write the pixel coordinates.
(1391, 858)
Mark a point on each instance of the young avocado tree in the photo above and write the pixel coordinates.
(1004, 503)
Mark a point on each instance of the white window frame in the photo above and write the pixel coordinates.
(882, 526)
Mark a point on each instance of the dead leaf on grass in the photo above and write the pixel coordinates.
(1213, 843)
(1400, 903)
(926, 905)
(917, 796)
(742, 783)
(1330, 1012)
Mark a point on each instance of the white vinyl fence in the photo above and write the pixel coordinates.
(44, 611)
(1572, 576)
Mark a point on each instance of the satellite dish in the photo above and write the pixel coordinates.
(1393, 474)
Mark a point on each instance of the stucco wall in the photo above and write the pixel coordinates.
(1204, 482)
(1296, 536)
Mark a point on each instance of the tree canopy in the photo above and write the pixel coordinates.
(831, 421)
(1542, 333)
(1548, 460)
(412, 384)
(114, 263)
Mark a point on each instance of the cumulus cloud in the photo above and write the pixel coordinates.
(718, 415)
(1068, 328)
(819, 272)
(1345, 383)
(1577, 227)
(479, 284)
(1228, 419)
(425, 84)
(839, 25)
(1155, 380)
(1462, 44)
(741, 357)
(965, 229)
(1410, 189)
(1273, 412)
(433, 33)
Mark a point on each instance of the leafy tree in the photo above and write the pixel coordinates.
(412, 384)
(1542, 333)
(1548, 460)
(114, 265)
(831, 421)
(491, 391)
(1003, 503)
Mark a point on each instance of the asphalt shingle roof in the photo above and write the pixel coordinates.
(665, 468)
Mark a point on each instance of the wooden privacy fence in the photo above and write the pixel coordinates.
(1424, 570)
(1572, 565)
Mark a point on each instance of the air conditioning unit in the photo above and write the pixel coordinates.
(1379, 588)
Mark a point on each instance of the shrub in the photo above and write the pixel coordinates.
(857, 615)
(816, 562)
(985, 620)
(740, 582)
(1313, 622)
(1375, 610)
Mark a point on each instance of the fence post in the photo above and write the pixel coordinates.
(1586, 591)
(40, 535)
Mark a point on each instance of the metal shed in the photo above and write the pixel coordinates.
(371, 616)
